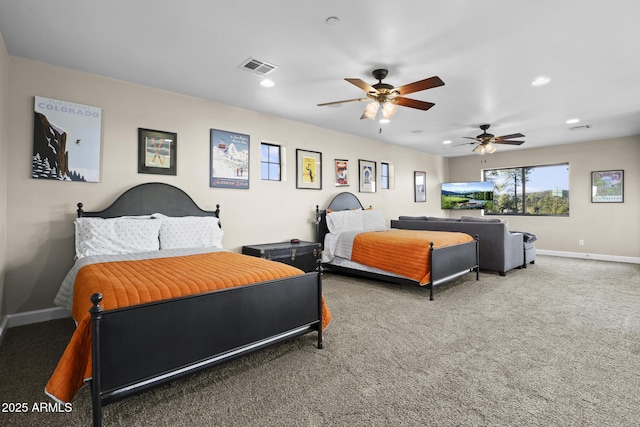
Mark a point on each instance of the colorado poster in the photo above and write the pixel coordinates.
(66, 141)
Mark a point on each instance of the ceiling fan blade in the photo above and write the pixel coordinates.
(342, 102)
(470, 137)
(509, 142)
(512, 136)
(412, 103)
(425, 84)
(362, 85)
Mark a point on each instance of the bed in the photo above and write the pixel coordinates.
(139, 326)
(437, 258)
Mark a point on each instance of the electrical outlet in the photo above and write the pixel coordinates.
(581, 242)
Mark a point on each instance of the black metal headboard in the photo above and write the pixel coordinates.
(150, 198)
(341, 202)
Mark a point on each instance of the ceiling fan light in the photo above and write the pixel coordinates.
(371, 110)
(480, 149)
(388, 110)
(490, 148)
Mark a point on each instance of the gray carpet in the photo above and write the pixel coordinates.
(556, 344)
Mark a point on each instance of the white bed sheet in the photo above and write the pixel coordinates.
(64, 297)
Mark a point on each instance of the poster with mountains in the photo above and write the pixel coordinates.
(66, 141)
(229, 160)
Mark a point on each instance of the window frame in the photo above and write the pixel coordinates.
(269, 163)
(522, 191)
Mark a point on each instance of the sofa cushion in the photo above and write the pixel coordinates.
(478, 219)
(412, 218)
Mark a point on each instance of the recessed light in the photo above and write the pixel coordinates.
(573, 121)
(540, 81)
(447, 142)
(332, 20)
(267, 83)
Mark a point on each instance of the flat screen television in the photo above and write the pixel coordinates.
(467, 195)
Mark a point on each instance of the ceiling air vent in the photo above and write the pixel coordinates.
(580, 127)
(258, 67)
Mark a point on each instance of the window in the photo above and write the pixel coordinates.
(530, 190)
(270, 162)
(384, 175)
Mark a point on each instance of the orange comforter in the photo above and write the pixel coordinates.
(126, 283)
(403, 252)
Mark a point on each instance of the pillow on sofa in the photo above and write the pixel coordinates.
(479, 219)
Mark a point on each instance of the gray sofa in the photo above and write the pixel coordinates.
(500, 250)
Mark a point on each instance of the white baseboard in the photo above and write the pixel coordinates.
(3, 327)
(583, 255)
(29, 317)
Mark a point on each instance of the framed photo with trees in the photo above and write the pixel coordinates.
(607, 186)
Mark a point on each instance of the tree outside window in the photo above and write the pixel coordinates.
(531, 190)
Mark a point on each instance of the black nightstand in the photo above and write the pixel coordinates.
(303, 255)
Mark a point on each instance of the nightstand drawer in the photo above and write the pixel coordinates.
(303, 255)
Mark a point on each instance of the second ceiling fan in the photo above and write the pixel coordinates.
(386, 97)
(485, 141)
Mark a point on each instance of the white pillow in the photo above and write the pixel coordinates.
(100, 236)
(190, 232)
(341, 221)
(373, 220)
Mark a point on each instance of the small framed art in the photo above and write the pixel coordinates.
(419, 186)
(607, 186)
(157, 151)
(367, 176)
(342, 173)
(308, 169)
(229, 157)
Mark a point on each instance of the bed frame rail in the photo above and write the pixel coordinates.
(137, 348)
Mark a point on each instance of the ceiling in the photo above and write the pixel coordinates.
(487, 53)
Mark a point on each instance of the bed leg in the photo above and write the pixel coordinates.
(319, 271)
(96, 316)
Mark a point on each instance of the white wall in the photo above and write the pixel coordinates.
(41, 212)
(4, 85)
(606, 228)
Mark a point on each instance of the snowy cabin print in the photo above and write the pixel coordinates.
(66, 141)
(229, 160)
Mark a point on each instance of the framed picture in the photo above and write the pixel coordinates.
(229, 160)
(342, 173)
(308, 169)
(157, 151)
(66, 141)
(419, 186)
(367, 176)
(607, 186)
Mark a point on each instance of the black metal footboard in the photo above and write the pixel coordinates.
(450, 262)
(137, 348)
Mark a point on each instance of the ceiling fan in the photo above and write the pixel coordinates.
(386, 97)
(485, 141)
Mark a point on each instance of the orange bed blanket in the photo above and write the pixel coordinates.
(126, 283)
(403, 252)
